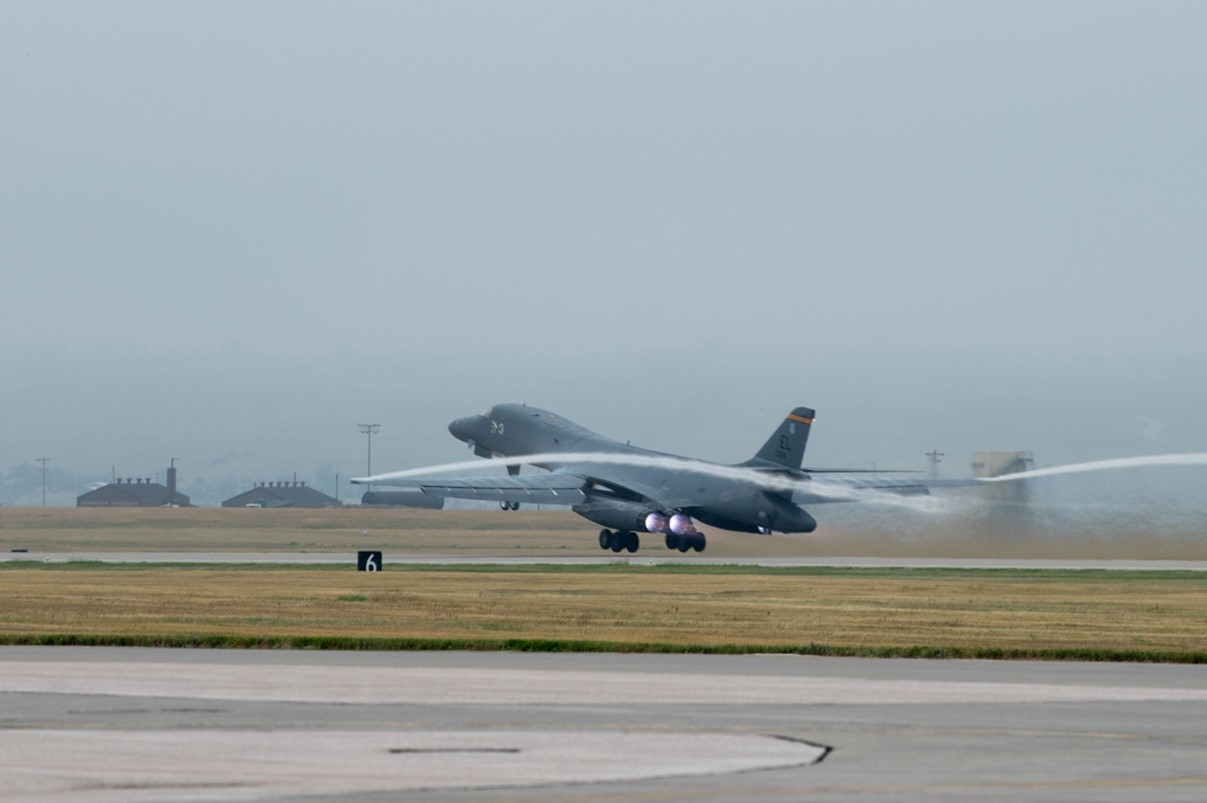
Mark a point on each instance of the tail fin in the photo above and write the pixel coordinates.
(786, 446)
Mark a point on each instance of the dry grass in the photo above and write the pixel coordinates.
(1107, 612)
(527, 533)
(1031, 611)
(480, 532)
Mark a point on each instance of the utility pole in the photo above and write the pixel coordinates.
(368, 430)
(935, 458)
(43, 461)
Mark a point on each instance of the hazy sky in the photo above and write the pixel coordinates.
(229, 232)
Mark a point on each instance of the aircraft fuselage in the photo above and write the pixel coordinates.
(635, 498)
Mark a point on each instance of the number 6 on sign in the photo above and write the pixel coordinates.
(367, 561)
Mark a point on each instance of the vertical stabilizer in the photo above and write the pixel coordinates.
(786, 447)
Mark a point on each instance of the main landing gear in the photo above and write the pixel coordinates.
(618, 540)
(685, 542)
(681, 534)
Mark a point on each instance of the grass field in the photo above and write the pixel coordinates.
(988, 613)
(1137, 615)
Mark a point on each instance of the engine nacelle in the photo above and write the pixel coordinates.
(616, 514)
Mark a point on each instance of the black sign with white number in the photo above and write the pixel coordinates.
(368, 561)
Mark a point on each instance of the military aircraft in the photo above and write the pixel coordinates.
(631, 491)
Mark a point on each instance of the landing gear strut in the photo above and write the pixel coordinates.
(619, 540)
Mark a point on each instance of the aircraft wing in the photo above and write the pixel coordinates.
(532, 489)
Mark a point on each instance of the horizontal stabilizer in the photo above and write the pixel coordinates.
(861, 471)
(849, 489)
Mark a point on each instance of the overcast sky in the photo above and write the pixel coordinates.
(229, 232)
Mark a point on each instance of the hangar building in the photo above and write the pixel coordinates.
(282, 494)
(135, 492)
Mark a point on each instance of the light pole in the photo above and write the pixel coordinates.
(368, 430)
(43, 461)
(935, 458)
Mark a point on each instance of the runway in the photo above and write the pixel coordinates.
(652, 558)
(144, 724)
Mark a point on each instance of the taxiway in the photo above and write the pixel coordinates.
(143, 724)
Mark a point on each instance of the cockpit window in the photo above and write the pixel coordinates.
(488, 412)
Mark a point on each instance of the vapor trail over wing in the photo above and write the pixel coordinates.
(576, 466)
(1177, 459)
(551, 459)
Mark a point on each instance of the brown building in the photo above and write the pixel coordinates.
(135, 492)
(282, 494)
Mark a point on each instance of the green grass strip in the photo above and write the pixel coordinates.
(563, 645)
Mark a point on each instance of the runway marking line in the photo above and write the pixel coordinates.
(798, 792)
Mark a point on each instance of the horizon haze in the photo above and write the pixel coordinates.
(233, 231)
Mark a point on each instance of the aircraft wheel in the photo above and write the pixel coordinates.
(672, 541)
(617, 541)
(684, 544)
(698, 543)
(605, 539)
(632, 542)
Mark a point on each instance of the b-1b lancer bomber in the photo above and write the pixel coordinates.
(630, 491)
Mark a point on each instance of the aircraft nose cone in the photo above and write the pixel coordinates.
(460, 429)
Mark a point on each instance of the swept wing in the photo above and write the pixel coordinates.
(533, 489)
